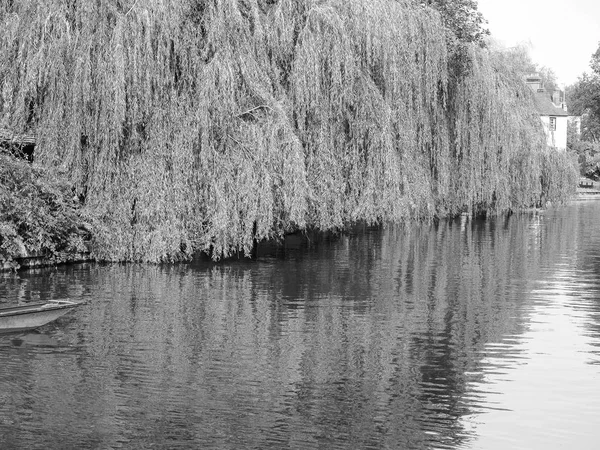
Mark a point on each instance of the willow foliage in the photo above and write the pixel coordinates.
(204, 125)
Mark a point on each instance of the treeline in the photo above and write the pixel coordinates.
(202, 126)
(584, 101)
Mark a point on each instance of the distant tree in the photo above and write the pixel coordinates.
(588, 154)
(584, 95)
(595, 62)
(548, 77)
(584, 100)
(519, 58)
(462, 18)
(573, 136)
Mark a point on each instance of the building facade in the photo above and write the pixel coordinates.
(552, 109)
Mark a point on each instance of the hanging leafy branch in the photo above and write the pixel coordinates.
(206, 126)
(462, 19)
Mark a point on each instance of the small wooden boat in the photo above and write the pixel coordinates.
(33, 315)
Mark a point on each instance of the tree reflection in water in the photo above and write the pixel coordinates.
(372, 339)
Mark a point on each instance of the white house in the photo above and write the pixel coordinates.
(553, 112)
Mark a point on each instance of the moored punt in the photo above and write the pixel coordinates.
(34, 315)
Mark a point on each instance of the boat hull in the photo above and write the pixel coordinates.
(19, 318)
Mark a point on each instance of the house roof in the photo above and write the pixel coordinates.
(545, 107)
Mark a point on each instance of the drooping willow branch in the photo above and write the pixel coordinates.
(204, 126)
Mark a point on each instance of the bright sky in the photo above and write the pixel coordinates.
(561, 35)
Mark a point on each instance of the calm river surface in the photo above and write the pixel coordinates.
(461, 335)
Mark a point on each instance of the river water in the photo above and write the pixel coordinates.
(457, 335)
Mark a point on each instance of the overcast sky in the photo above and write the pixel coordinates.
(561, 35)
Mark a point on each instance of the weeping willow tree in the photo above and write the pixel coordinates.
(206, 125)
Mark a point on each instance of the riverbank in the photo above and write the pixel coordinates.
(287, 246)
(588, 188)
(290, 243)
(37, 261)
(438, 328)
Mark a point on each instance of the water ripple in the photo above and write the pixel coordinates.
(460, 334)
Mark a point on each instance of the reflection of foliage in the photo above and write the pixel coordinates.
(204, 126)
(38, 215)
(343, 343)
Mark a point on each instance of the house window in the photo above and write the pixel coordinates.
(552, 123)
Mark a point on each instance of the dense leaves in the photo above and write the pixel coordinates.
(38, 214)
(205, 126)
(584, 101)
(462, 19)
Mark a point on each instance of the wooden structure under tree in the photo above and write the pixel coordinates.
(17, 144)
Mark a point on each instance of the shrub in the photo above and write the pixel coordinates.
(38, 214)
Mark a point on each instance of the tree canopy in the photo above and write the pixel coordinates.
(584, 100)
(462, 18)
(194, 126)
(519, 59)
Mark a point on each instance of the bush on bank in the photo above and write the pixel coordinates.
(38, 214)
